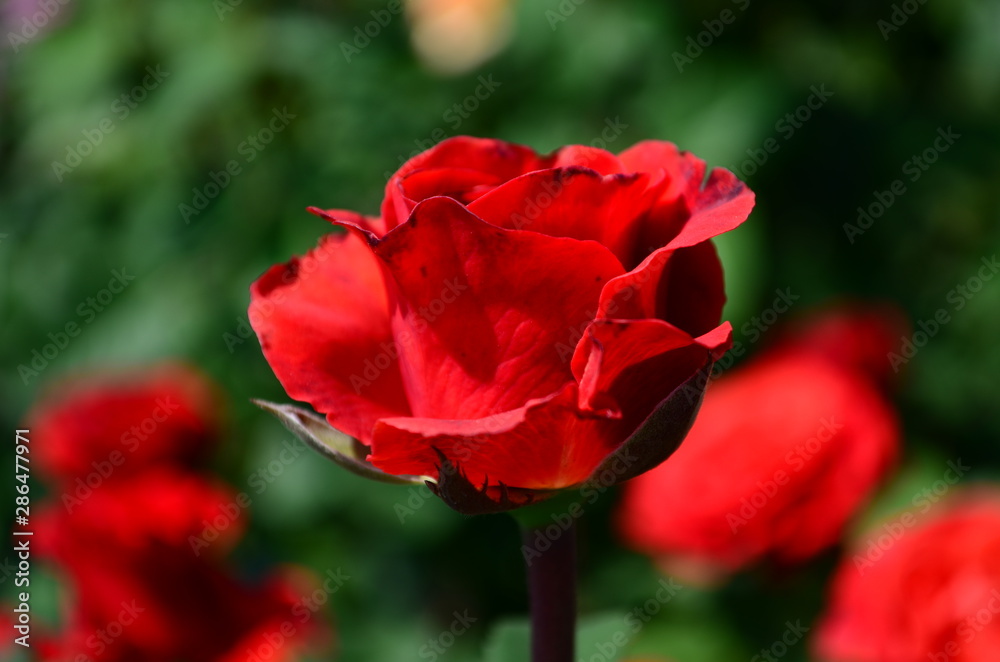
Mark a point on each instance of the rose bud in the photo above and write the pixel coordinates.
(96, 429)
(920, 587)
(513, 324)
(141, 559)
(787, 447)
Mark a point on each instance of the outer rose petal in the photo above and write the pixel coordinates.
(547, 444)
(593, 158)
(572, 202)
(687, 212)
(455, 160)
(372, 225)
(324, 326)
(482, 310)
(684, 287)
(629, 366)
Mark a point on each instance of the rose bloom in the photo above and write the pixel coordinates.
(142, 586)
(933, 592)
(93, 429)
(786, 448)
(516, 317)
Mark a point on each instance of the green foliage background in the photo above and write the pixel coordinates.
(558, 83)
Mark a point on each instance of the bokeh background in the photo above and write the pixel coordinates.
(92, 181)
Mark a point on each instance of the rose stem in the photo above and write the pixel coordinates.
(552, 589)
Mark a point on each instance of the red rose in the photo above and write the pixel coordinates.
(785, 450)
(144, 588)
(855, 336)
(519, 318)
(917, 591)
(96, 429)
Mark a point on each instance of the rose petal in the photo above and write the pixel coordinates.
(593, 158)
(629, 366)
(453, 159)
(324, 326)
(572, 202)
(684, 287)
(546, 444)
(689, 210)
(372, 225)
(482, 311)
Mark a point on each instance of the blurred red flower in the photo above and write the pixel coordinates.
(142, 546)
(933, 595)
(785, 450)
(95, 429)
(517, 316)
(143, 588)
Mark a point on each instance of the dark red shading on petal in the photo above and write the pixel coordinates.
(546, 444)
(659, 435)
(629, 366)
(454, 488)
(324, 325)
(454, 166)
(462, 184)
(572, 202)
(684, 287)
(593, 158)
(482, 311)
(690, 210)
